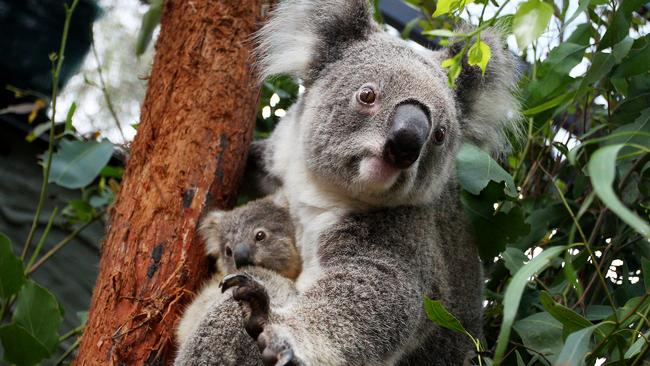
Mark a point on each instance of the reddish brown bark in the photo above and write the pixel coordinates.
(195, 129)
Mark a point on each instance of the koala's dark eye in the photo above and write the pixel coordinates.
(260, 235)
(439, 135)
(228, 252)
(367, 95)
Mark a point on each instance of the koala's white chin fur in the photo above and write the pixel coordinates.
(376, 175)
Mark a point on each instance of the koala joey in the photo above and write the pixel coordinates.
(366, 160)
(258, 239)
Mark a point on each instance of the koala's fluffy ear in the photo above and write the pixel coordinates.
(488, 104)
(209, 231)
(301, 36)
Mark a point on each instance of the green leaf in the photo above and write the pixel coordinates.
(542, 333)
(20, 347)
(150, 21)
(68, 117)
(38, 312)
(636, 347)
(447, 6)
(441, 33)
(479, 55)
(77, 163)
(513, 294)
(619, 27)
(571, 320)
(637, 132)
(602, 170)
(439, 315)
(576, 347)
(531, 19)
(598, 312)
(636, 61)
(493, 230)
(443, 7)
(645, 269)
(476, 169)
(12, 274)
(549, 104)
(603, 63)
(514, 259)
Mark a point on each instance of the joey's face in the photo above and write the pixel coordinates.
(257, 234)
(380, 124)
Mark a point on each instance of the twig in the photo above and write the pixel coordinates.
(60, 245)
(50, 149)
(68, 352)
(585, 241)
(104, 88)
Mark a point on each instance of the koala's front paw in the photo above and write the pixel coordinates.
(251, 292)
(275, 351)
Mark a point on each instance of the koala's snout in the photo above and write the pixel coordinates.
(407, 135)
(243, 255)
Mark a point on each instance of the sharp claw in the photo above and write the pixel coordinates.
(234, 279)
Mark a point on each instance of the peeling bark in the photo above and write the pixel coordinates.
(188, 156)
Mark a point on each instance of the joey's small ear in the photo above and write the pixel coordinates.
(301, 36)
(209, 228)
(488, 106)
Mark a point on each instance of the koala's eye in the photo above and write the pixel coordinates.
(439, 135)
(228, 252)
(260, 235)
(367, 95)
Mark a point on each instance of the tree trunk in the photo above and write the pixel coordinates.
(188, 156)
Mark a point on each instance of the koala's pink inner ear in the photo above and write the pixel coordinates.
(209, 228)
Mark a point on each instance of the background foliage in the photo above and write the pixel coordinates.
(561, 221)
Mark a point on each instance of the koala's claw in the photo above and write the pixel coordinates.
(247, 290)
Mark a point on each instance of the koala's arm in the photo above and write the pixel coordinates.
(258, 181)
(357, 313)
(211, 330)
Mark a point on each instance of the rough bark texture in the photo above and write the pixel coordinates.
(195, 129)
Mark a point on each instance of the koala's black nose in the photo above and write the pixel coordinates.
(242, 255)
(407, 136)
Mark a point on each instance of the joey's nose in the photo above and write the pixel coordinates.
(407, 136)
(242, 256)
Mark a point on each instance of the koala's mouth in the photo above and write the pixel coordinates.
(376, 174)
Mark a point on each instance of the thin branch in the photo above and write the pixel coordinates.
(60, 245)
(50, 149)
(104, 89)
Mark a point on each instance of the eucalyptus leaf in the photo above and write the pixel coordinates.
(479, 55)
(77, 163)
(38, 312)
(515, 290)
(20, 346)
(602, 171)
(150, 21)
(514, 259)
(571, 320)
(542, 333)
(637, 346)
(476, 169)
(437, 313)
(531, 19)
(576, 347)
(12, 274)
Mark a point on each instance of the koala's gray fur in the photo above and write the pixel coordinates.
(374, 240)
(216, 316)
(275, 262)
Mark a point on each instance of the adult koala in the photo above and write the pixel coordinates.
(366, 158)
